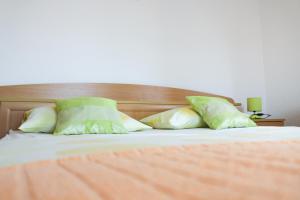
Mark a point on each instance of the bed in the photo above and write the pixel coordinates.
(250, 163)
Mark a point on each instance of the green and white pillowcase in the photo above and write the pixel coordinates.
(88, 115)
(39, 120)
(100, 115)
(178, 118)
(218, 113)
(43, 120)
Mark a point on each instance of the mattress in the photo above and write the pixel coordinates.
(17, 147)
(261, 163)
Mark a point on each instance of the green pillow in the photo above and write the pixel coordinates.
(218, 113)
(178, 118)
(40, 119)
(84, 115)
(133, 125)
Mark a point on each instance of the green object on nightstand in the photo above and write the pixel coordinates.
(254, 104)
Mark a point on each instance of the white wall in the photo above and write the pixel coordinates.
(238, 48)
(281, 53)
(208, 45)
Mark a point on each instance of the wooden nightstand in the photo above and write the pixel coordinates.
(269, 122)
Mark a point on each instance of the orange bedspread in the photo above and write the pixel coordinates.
(260, 170)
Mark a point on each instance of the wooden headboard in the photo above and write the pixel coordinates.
(137, 101)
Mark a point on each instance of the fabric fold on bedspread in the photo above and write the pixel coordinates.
(249, 170)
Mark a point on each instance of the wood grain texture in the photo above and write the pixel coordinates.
(247, 171)
(120, 92)
(270, 122)
(137, 101)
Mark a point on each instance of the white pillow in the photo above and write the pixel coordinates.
(132, 124)
(40, 119)
(177, 118)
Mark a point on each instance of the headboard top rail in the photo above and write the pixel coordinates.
(119, 92)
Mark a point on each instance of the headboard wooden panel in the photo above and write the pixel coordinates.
(137, 101)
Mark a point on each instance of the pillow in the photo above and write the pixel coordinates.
(85, 115)
(178, 118)
(218, 113)
(132, 124)
(40, 119)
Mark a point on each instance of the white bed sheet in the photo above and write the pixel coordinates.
(17, 147)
